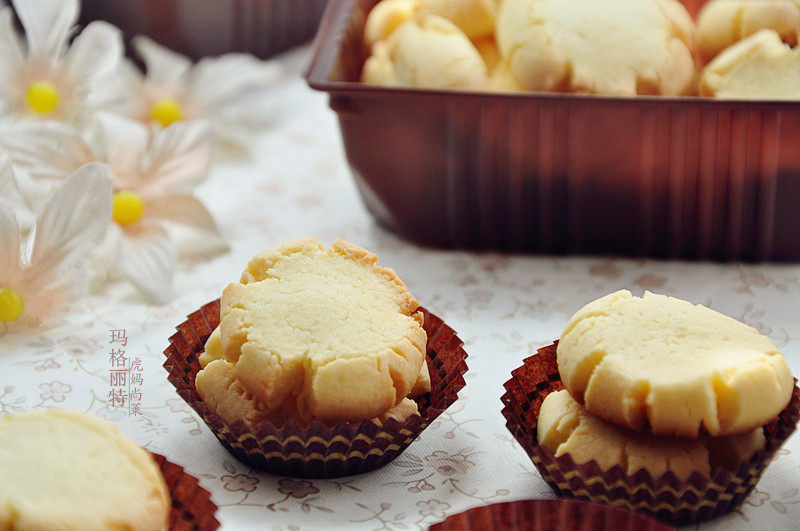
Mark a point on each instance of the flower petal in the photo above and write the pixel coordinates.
(10, 193)
(73, 222)
(233, 92)
(122, 143)
(45, 150)
(47, 25)
(163, 65)
(190, 212)
(119, 91)
(11, 57)
(96, 50)
(179, 157)
(221, 80)
(9, 244)
(146, 257)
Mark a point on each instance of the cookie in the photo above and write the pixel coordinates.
(213, 351)
(622, 47)
(567, 428)
(314, 334)
(384, 18)
(722, 23)
(759, 67)
(476, 18)
(666, 366)
(426, 51)
(69, 470)
(224, 394)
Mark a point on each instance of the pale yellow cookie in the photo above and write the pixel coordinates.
(427, 51)
(622, 47)
(213, 351)
(758, 67)
(72, 471)
(225, 396)
(476, 18)
(664, 365)
(565, 427)
(384, 18)
(722, 23)
(315, 334)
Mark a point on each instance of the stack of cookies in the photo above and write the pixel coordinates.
(655, 404)
(317, 363)
(313, 334)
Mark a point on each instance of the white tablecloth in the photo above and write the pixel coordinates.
(502, 306)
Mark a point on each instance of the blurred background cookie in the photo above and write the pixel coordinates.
(623, 47)
(722, 23)
(760, 66)
(426, 51)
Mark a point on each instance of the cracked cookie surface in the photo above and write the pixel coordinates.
(623, 47)
(663, 365)
(567, 428)
(314, 334)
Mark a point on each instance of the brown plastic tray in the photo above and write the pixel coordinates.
(564, 173)
(213, 27)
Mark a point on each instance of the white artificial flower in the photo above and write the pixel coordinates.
(153, 173)
(14, 199)
(230, 92)
(38, 282)
(44, 76)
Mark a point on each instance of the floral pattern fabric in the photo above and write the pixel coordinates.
(503, 306)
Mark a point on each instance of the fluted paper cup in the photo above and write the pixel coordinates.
(318, 450)
(192, 508)
(673, 500)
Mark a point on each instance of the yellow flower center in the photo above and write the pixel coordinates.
(42, 97)
(11, 305)
(166, 111)
(127, 208)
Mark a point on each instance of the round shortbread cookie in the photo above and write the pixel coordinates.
(664, 365)
(426, 51)
(384, 18)
(623, 47)
(759, 67)
(224, 395)
(68, 470)
(476, 18)
(566, 427)
(722, 23)
(315, 334)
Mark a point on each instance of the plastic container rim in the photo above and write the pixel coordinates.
(326, 49)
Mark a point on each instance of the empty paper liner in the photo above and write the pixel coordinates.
(549, 515)
(318, 450)
(199, 28)
(192, 508)
(656, 176)
(679, 502)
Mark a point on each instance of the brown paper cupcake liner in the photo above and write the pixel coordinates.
(317, 450)
(546, 515)
(192, 508)
(673, 500)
